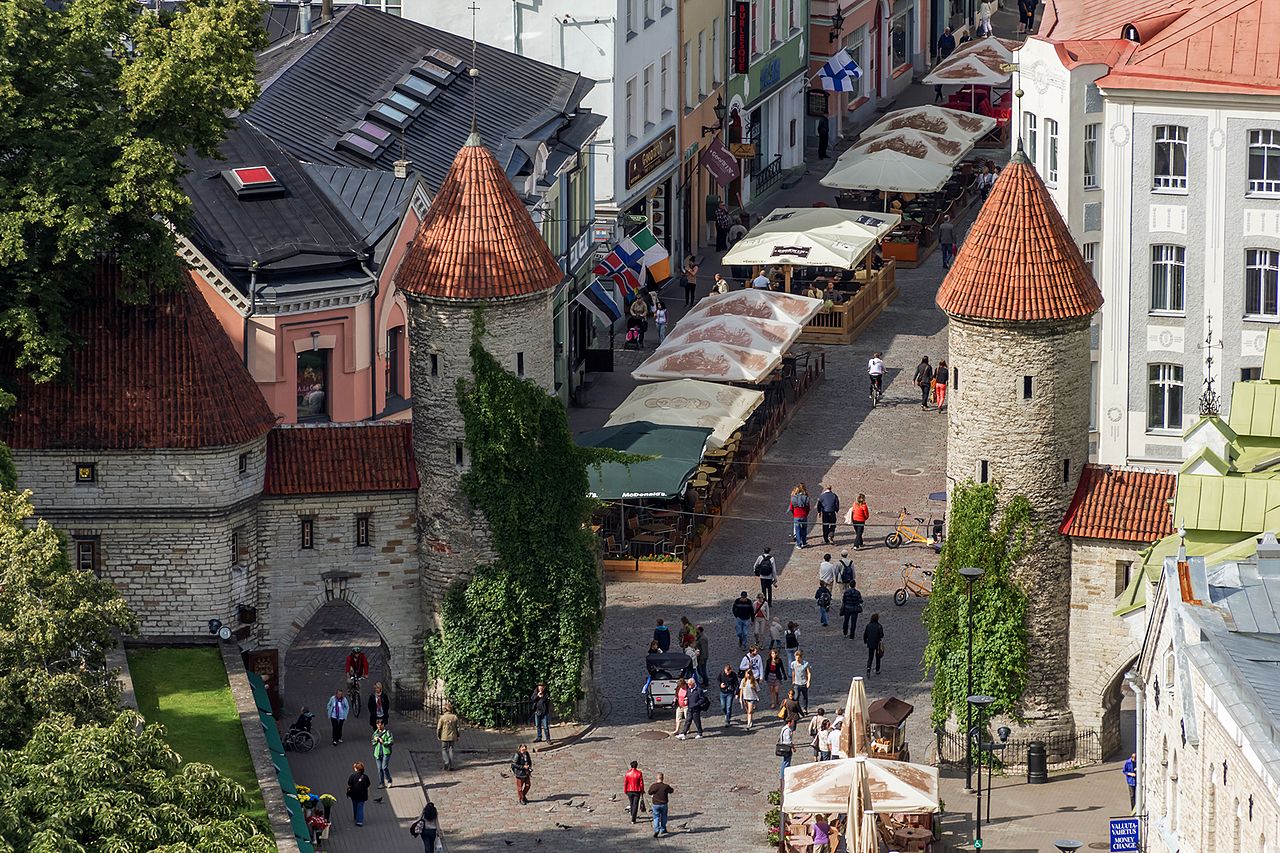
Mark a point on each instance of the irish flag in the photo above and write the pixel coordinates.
(653, 256)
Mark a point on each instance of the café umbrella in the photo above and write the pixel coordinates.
(812, 236)
(887, 171)
(934, 119)
(690, 402)
(913, 143)
(765, 304)
(710, 361)
(892, 787)
(674, 453)
(746, 332)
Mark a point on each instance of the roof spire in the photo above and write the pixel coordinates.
(1210, 402)
(474, 138)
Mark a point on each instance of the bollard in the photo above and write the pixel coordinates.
(1037, 763)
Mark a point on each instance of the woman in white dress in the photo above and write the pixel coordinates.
(749, 694)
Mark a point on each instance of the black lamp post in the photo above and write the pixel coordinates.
(991, 748)
(719, 110)
(980, 703)
(1068, 845)
(970, 574)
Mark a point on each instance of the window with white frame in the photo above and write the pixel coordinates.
(689, 98)
(1091, 155)
(631, 17)
(664, 84)
(773, 22)
(1168, 277)
(1170, 170)
(630, 108)
(855, 53)
(1264, 161)
(1089, 251)
(717, 69)
(1262, 283)
(1164, 396)
(791, 15)
(702, 66)
(1051, 151)
(647, 96)
(1030, 136)
(648, 12)
(757, 27)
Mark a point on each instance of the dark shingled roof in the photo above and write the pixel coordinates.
(332, 459)
(1121, 503)
(1019, 262)
(160, 375)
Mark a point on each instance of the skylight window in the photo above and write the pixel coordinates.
(432, 72)
(403, 101)
(444, 58)
(252, 180)
(390, 115)
(416, 85)
(377, 134)
(360, 144)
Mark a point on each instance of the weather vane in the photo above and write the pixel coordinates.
(1210, 402)
(475, 70)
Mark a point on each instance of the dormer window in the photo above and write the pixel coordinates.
(248, 181)
(1130, 33)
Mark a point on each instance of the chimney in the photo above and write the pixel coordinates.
(304, 17)
(1269, 556)
(401, 168)
(326, 10)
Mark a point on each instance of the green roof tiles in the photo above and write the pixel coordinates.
(1227, 503)
(1255, 409)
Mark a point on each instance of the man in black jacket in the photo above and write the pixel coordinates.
(873, 636)
(850, 607)
(697, 704)
(728, 689)
(743, 610)
(922, 379)
(828, 507)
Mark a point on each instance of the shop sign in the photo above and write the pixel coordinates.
(741, 36)
(816, 103)
(690, 151)
(720, 163)
(579, 249)
(789, 252)
(601, 232)
(771, 74)
(743, 150)
(651, 158)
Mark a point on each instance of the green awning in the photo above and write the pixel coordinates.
(677, 452)
(271, 733)
(259, 688)
(299, 824)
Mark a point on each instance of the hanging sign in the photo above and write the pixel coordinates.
(741, 36)
(717, 160)
(742, 150)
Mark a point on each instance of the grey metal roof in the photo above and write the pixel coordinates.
(375, 199)
(315, 89)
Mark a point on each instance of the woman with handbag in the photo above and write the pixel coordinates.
(522, 769)
(426, 827)
(786, 745)
(873, 636)
(775, 673)
(749, 691)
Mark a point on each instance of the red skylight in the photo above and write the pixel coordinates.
(250, 176)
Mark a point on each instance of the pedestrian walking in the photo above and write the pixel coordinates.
(1130, 771)
(662, 636)
(946, 44)
(815, 726)
(541, 707)
(801, 679)
(940, 384)
(728, 691)
(767, 572)
(873, 636)
(426, 827)
(827, 572)
(379, 706)
(358, 786)
(743, 614)
(689, 280)
(640, 311)
(786, 745)
(922, 379)
(749, 695)
(821, 834)
(858, 517)
(775, 633)
(703, 647)
(798, 506)
(338, 710)
(775, 675)
(719, 285)
(792, 638)
(828, 507)
(752, 662)
(824, 136)
(850, 607)
(760, 622)
(382, 741)
(687, 635)
(826, 735)
(947, 239)
(823, 596)
(633, 787)
(845, 572)
(697, 700)
(660, 318)
(447, 734)
(522, 770)
(791, 709)
(710, 207)
(723, 221)
(682, 705)
(659, 799)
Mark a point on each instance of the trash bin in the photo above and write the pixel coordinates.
(1037, 763)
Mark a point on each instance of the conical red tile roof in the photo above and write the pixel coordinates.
(478, 240)
(1019, 262)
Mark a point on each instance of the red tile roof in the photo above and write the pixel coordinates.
(158, 375)
(327, 459)
(478, 240)
(1121, 503)
(1019, 261)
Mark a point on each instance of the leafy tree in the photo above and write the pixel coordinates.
(992, 537)
(532, 614)
(114, 788)
(100, 100)
(56, 624)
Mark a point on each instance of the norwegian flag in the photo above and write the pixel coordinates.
(624, 268)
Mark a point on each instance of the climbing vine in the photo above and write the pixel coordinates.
(532, 614)
(992, 537)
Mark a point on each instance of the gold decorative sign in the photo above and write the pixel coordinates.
(651, 158)
(742, 150)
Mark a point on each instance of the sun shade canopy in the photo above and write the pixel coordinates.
(765, 304)
(889, 171)
(952, 124)
(676, 451)
(690, 402)
(985, 62)
(910, 142)
(897, 787)
(812, 236)
(710, 361)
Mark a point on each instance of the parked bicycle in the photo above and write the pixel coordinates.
(919, 533)
(920, 587)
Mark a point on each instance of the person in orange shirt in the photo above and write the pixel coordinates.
(858, 516)
(633, 785)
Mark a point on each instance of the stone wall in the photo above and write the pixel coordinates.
(380, 580)
(454, 535)
(1024, 441)
(1103, 645)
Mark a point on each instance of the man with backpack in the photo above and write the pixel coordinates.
(823, 597)
(850, 607)
(799, 506)
(767, 573)
(844, 569)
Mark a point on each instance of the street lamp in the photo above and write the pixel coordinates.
(991, 748)
(1067, 845)
(970, 574)
(980, 703)
(719, 110)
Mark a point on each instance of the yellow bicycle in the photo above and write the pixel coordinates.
(921, 587)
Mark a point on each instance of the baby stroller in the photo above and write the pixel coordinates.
(666, 670)
(632, 339)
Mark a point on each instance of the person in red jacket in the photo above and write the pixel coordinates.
(798, 506)
(858, 515)
(633, 784)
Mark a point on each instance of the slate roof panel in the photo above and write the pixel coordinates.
(1121, 503)
(340, 458)
(374, 198)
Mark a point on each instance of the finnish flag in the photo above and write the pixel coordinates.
(840, 74)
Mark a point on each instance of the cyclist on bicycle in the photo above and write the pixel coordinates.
(875, 370)
(357, 664)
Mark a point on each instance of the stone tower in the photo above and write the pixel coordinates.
(1019, 298)
(477, 248)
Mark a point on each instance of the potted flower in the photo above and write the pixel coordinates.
(326, 803)
(319, 827)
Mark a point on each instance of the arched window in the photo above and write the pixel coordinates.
(1171, 800)
(1235, 824)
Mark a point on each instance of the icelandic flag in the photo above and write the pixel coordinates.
(652, 254)
(623, 266)
(600, 299)
(840, 74)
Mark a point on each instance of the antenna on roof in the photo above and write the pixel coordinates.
(475, 72)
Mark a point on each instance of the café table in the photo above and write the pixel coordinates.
(912, 838)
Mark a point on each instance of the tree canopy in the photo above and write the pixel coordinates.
(981, 533)
(100, 100)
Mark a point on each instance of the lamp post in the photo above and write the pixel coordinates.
(719, 109)
(1068, 845)
(991, 748)
(970, 574)
(980, 703)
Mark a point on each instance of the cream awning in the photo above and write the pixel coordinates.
(763, 304)
(952, 124)
(812, 236)
(896, 787)
(746, 332)
(888, 171)
(985, 62)
(709, 361)
(690, 402)
(910, 142)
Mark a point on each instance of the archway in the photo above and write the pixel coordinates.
(315, 661)
(1118, 732)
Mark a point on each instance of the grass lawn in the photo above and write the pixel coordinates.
(186, 690)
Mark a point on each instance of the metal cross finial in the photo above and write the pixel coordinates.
(1210, 402)
(475, 71)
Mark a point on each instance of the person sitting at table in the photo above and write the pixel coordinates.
(831, 294)
(812, 291)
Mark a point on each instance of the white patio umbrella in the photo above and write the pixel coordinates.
(934, 119)
(709, 361)
(690, 402)
(765, 304)
(895, 787)
(853, 737)
(812, 236)
(913, 143)
(859, 801)
(747, 332)
(888, 171)
(984, 62)
(867, 840)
